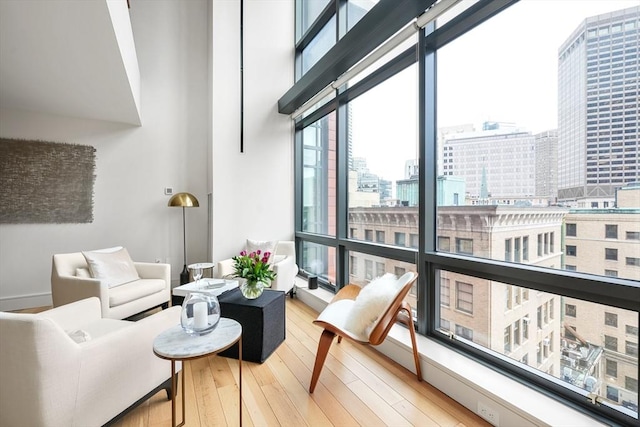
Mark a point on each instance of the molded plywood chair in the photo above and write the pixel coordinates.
(366, 315)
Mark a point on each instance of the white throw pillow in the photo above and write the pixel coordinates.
(371, 303)
(115, 268)
(263, 246)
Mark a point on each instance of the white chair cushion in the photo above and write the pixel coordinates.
(134, 290)
(114, 267)
(371, 303)
(337, 313)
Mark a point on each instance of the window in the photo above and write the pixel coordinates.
(525, 248)
(464, 332)
(525, 329)
(610, 343)
(546, 243)
(507, 250)
(379, 236)
(353, 265)
(516, 333)
(631, 384)
(464, 297)
(368, 235)
(379, 269)
(570, 267)
(570, 310)
(631, 348)
(368, 269)
(611, 319)
(571, 229)
(571, 250)
(632, 261)
(414, 240)
(610, 273)
(633, 235)
(353, 233)
(611, 368)
(540, 245)
(552, 244)
(611, 231)
(464, 246)
(517, 254)
(631, 330)
(612, 393)
(445, 325)
(507, 339)
(399, 271)
(611, 254)
(445, 292)
(400, 239)
(444, 244)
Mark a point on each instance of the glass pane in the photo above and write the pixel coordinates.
(356, 9)
(308, 11)
(541, 159)
(319, 176)
(383, 183)
(363, 268)
(320, 45)
(319, 260)
(590, 347)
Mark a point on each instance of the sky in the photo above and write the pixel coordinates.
(504, 70)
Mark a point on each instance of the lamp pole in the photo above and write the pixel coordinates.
(184, 276)
(184, 200)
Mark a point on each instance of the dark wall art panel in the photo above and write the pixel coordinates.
(46, 182)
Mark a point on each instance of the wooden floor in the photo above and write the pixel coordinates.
(358, 386)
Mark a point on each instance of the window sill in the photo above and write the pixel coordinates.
(465, 380)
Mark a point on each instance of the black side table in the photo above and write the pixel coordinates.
(262, 320)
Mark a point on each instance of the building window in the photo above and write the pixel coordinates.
(525, 248)
(400, 239)
(507, 250)
(569, 267)
(631, 348)
(464, 246)
(611, 231)
(368, 235)
(516, 333)
(546, 243)
(517, 254)
(444, 244)
(611, 254)
(353, 233)
(399, 271)
(611, 319)
(633, 235)
(379, 269)
(539, 244)
(445, 292)
(463, 332)
(525, 328)
(631, 330)
(571, 250)
(507, 339)
(353, 265)
(612, 393)
(631, 384)
(379, 236)
(611, 273)
(571, 229)
(445, 325)
(612, 368)
(539, 317)
(464, 297)
(368, 269)
(570, 310)
(632, 261)
(414, 240)
(610, 343)
(552, 242)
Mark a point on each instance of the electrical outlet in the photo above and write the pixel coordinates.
(157, 260)
(168, 191)
(488, 414)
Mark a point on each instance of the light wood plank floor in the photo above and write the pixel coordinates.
(358, 386)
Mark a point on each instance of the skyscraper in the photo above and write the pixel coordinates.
(598, 108)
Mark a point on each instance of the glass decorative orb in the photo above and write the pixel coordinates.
(200, 313)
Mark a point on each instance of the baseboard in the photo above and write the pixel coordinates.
(26, 301)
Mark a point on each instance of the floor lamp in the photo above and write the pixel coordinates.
(184, 200)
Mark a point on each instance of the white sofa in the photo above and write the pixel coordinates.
(68, 284)
(284, 265)
(49, 379)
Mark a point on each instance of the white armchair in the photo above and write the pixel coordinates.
(48, 378)
(284, 265)
(71, 281)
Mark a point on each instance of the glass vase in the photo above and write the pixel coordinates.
(250, 289)
(200, 313)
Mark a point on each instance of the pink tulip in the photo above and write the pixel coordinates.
(258, 251)
(243, 253)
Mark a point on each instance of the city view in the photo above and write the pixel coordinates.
(560, 191)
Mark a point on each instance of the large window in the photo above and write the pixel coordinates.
(467, 135)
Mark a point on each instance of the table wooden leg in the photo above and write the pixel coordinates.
(240, 375)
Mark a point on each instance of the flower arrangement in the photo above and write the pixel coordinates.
(254, 267)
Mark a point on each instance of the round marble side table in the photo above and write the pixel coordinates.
(175, 344)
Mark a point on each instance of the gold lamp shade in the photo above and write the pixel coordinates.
(184, 200)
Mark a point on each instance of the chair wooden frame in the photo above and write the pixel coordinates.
(398, 311)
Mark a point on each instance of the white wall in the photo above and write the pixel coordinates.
(188, 53)
(252, 191)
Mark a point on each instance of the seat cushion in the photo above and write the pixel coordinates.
(134, 290)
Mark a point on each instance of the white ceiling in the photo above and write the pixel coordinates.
(69, 57)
